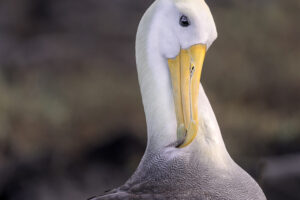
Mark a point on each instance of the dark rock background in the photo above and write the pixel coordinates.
(71, 118)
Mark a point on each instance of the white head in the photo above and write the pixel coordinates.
(170, 32)
(172, 35)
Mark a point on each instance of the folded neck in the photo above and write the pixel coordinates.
(157, 94)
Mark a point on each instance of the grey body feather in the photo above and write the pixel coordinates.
(172, 175)
(203, 170)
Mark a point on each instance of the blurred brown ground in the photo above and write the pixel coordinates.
(71, 119)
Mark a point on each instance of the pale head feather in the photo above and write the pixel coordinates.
(161, 37)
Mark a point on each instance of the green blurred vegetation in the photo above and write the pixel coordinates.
(68, 79)
(252, 74)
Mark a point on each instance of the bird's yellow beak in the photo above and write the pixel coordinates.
(185, 71)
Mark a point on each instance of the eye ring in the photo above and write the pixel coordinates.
(184, 21)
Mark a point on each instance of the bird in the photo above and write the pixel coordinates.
(185, 157)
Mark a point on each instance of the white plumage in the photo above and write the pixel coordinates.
(203, 169)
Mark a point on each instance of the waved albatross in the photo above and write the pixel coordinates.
(185, 157)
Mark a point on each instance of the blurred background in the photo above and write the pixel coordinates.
(71, 118)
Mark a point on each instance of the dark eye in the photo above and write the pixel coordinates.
(184, 21)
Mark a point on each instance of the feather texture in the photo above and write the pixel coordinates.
(203, 170)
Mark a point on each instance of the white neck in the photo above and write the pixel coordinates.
(155, 85)
(156, 89)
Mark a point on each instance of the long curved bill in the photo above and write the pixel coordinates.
(185, 71)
